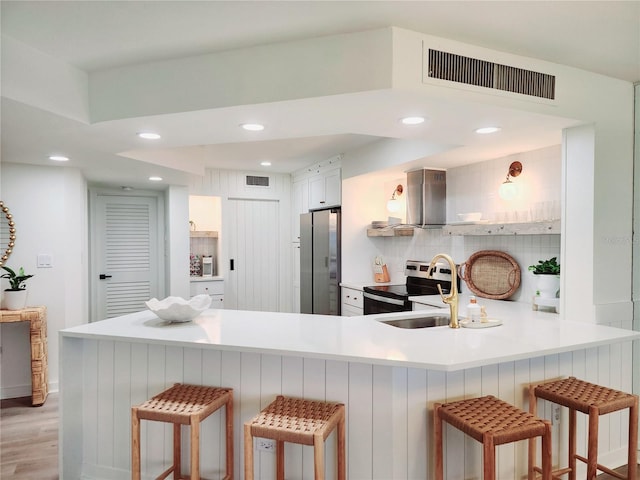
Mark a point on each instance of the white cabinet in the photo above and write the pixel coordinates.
(352, 302)
(325, 189)
(213, 288)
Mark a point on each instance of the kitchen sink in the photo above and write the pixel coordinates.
(438, 320)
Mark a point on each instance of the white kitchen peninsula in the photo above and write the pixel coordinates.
(387, 377)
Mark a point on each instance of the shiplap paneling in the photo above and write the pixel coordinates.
(389, 409)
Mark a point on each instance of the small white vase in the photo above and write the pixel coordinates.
(547, 286)
(15, 299)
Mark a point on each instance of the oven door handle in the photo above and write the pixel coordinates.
(378, 298)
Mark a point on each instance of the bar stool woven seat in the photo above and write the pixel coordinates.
(491, 422)
(295, 420)
(593, 400)
(183, 405)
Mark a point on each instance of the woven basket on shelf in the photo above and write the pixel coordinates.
(491, 274)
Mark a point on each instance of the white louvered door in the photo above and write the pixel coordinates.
(126, 254)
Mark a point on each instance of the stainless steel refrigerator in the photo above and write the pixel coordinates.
(320, 262)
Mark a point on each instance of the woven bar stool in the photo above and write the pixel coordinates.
(295, 420)
(183, 405)
(491, 422)
(593, 400)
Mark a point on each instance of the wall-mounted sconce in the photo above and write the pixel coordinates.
(508, 189)
(393, 205)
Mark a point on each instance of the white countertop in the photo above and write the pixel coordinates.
(523, 334)
(200, 278)
(359, 285)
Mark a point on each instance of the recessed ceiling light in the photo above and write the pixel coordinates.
(58, 158)
(265, 163)
(149, 135)
(155, 179)
(485, 130)
(252, 127)
(412, 120)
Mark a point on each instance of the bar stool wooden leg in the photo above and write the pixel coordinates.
(177, 460)
(592, 447)
(248, 453)
(195, 449)
(135, 445)
(340, 445)
(229, 434)
(279, 460)
(546, 451)
(572, 443)
(318, 457)
(533, 409)
(437, 425)
(489, 457)
(633, 441)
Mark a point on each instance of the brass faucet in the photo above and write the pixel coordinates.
(452, 299)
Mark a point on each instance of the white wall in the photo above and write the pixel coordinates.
(49, 206)
(306, 68)
(177, 241)
(34, 78)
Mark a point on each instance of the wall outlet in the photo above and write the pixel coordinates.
(266, 445)
(556, 415)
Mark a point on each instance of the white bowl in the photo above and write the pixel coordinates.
(470, 217)
(177, 309)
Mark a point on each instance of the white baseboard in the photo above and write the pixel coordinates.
(15, 391)
(18, 391)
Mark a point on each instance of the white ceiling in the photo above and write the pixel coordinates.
(599, 36)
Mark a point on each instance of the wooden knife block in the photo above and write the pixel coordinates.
(381, 277)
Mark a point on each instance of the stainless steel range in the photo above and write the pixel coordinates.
(420, 281)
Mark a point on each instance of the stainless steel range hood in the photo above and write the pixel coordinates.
(427, 198)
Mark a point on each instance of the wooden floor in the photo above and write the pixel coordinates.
(29, 440)
(622, 470)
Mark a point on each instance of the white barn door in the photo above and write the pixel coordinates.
(126, 258)
(252, 278)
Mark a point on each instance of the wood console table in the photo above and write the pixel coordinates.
(37, 317)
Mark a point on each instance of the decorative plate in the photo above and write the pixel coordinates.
(491, 274)
(177, 309)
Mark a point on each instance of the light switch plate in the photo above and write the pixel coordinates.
(45, 260)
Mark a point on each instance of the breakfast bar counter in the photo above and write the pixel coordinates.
(387, 377)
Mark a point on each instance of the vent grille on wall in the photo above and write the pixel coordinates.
(255, 181)
(472, 71)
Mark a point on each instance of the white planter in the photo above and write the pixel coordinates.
(15, 299)
(547, 286)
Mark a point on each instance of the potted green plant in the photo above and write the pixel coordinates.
(15, 297)
(547, 274)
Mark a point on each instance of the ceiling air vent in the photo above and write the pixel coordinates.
(472, 71)
(255, 181)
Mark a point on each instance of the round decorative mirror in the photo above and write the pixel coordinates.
(7, 233)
